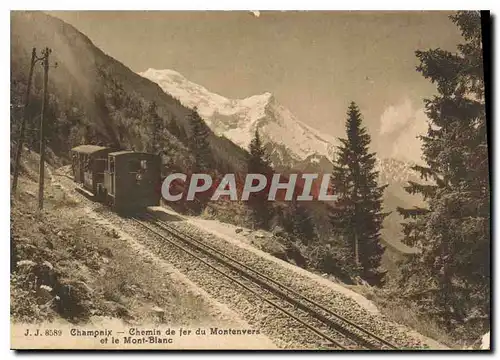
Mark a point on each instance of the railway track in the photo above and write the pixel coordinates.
(334, 329)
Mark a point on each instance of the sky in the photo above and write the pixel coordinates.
(315, 63)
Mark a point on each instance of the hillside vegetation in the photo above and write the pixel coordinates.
(93, 97)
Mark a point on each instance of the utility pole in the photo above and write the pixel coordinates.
(45, 58)
(20, 142)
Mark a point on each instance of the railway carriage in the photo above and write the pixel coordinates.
(126, 180)
(88, 164)
(132, 180)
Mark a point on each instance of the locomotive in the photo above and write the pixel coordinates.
(127, 181)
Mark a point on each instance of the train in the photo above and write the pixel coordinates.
(126, 180)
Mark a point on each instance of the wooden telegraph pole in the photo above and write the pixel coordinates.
(45, 58)
(20, 142)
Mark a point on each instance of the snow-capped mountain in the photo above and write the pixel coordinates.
(287, 139)
(290, 143)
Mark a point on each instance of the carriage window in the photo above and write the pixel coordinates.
(144, 164)
(111, 165)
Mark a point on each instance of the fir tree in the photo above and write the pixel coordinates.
(154, 125)
(450, 276)
(258, 163)
(298, 222)
(358, 216)
(199, 144)
(176, 130)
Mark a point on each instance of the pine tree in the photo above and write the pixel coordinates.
(298, 222)
(199, 144)
(358, 215)
(154, 125)
(258, 163)
(176, 130)
(450, 276)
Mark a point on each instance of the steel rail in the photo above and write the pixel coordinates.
(320, 317)
(272, 303)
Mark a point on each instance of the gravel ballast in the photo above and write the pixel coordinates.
(345, 302)
(283, 331)
(150, 250)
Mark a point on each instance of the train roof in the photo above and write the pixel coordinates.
(88, 149)
(122, 152)
(128, 152)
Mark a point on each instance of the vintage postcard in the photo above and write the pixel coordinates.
(251, 180)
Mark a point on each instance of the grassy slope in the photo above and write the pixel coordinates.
(66, 266)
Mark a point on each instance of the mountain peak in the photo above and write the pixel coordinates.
(237, 119)
(167, 77)
(165, 72)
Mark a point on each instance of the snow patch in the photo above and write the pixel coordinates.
(237, 119)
